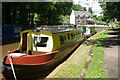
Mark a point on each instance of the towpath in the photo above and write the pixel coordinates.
(111, 54)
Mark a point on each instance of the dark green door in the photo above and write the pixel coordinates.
(84, 29)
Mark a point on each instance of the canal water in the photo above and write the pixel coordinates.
(7, 45)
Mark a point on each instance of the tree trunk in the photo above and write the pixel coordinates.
(32, 18)
(49, 18)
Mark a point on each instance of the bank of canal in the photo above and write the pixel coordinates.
(75, 66)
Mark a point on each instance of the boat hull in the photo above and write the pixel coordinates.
(38, 71)
(24, 72)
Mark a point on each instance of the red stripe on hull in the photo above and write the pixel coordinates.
(32, 59)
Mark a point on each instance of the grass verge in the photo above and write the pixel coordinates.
(101, 26)
(118, 33)
(95, 69)
(74, 65)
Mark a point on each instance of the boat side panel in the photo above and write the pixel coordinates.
(31, 59)
(56, 39)
(69, 48)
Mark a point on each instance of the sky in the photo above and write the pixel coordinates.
(90, 3)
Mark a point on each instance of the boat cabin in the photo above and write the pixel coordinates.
(47, 40)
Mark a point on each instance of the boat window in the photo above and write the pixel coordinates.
(40, 41)
(68, 36)
(72, 36)
(78, 33)
(92, 29)
(81, 33)
(63, 39)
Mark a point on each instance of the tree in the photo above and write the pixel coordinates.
(84, 9)
(78, 7)
(95, 17)
(10, 15)
(90, 10)
(111, 10)
(23, 13)
(15, 13)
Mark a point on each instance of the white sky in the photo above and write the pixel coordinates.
(90, 3)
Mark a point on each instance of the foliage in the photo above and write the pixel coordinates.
(84, 9)
(118, 32)
(98, 19)
(23, 13)
(90, 10)
(78, 7)
(95, 17)
(111, 10)
(65, 19)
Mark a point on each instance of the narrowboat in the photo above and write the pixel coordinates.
(88, 29)
(11, 31)
(39, 52)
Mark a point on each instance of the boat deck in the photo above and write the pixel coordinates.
(34, 52)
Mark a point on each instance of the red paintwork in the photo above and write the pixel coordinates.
(42, 26)
(12, 51)
(31, 59)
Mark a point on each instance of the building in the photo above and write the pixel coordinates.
(80, 17)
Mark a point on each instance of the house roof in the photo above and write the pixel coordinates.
(81, 13)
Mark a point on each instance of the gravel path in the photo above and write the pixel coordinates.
(111, 55)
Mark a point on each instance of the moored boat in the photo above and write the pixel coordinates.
(39, 52)
(88, 30)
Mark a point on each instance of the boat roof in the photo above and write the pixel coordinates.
(56, 29)
(86, 25)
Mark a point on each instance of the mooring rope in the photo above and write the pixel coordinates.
(11, 65)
